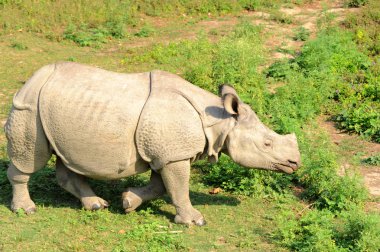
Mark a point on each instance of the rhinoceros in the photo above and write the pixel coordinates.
(107, 125)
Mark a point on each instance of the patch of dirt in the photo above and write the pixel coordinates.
(291, 11)
(337, 136)
(353, 145)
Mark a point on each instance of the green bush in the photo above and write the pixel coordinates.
(236, 179)
(85, 36)
(145, 31)
(355, 3)
(301, 34)
(19, 46)
(372, 160)
(315, 230)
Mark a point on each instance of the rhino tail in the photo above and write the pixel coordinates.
(27, 97)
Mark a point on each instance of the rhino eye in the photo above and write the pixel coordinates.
(268, 143)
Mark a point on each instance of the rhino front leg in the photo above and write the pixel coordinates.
(176, 178)
(77, 185)
(133, 197)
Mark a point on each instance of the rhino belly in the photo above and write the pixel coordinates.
(90, 118)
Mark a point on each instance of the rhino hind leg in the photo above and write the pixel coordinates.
(77, 185)
(28, 150)
(133, 197)
(176, 178)
(21, 198)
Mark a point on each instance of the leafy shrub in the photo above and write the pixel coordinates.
(321, 182)
(312, 232)
(372, 160)
(355, 3)
(87, 36)
(301, 34)
(254, 5)
(145, 31)
(19, 46)
(333, 52)
(316, 230)
(361, 116)
(233, 178)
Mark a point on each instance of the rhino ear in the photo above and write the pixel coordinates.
(230, 99)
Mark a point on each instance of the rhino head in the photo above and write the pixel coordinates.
(251, 144)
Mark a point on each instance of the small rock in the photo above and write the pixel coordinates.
(215, 190)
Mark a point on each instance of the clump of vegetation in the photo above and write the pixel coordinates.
(19, 46)
(254, 5)
(372, 160)
(145, 31)
(280, 17)
(232, 178)
(315, 230)
(301, 34)
(87, 36)
(355, 3)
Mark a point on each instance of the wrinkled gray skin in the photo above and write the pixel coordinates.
(107, 125)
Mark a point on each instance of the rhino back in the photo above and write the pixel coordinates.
(90, 117)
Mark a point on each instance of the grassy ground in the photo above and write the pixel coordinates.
(205, 45)
(60, 225)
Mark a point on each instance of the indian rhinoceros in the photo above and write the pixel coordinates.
(107, 125)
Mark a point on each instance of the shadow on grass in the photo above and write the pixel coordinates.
(44, 190)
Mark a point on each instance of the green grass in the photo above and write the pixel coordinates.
(92, 23)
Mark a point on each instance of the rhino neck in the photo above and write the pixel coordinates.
(216, 135)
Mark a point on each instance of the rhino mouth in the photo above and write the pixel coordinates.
(289, 167)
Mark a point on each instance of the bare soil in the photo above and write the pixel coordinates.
(351, 145)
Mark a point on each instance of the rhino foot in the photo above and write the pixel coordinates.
(28, 206)
(131, 201)
(190, 217)
(94, 203)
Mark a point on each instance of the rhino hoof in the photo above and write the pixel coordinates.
(27, 206)
(94, 203)
(200, 222)
(31, 210)
(96, 207)
(131, 201)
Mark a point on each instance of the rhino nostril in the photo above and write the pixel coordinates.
(293, 163)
